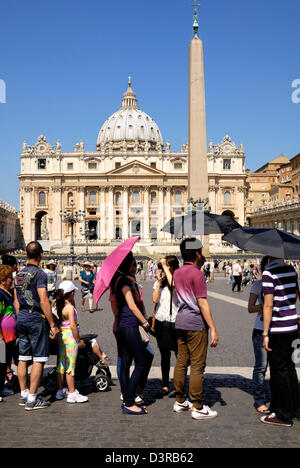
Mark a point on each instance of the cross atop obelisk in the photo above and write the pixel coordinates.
(195, 5)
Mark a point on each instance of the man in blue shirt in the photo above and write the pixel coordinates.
(34, 321)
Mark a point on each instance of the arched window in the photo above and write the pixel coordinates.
(70, 198)
(42, 198)
(136, 196)
(118, 198)
(178, 197)
(153, 198)
(93, 198)
(227, 198)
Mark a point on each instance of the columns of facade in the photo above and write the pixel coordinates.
(125, 232)
(240, 205)
(81, 191)
(168, 211)
(56, 234)
(102, 212)
(111, 214)
(28, 233)
(213, 190)
(146, 230)
(161, 214)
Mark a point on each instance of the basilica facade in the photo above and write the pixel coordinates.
(131, 185)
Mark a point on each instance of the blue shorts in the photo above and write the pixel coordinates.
(33, 340)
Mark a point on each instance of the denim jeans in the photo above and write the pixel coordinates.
(132, 348)
(33, 340)
(148, 356)
(259, 371)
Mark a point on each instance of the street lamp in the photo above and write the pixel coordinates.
(87, 234)
(72, 217)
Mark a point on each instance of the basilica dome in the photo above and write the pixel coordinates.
(130, 125)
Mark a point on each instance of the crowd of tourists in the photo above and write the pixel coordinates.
(34, 308)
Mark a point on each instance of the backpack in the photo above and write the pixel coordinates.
(23, 280)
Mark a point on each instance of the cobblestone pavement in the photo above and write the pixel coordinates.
(99, 423)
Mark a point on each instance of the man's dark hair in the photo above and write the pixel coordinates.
(9, 260)
(34, 250)
(189, 248)
(263, 264)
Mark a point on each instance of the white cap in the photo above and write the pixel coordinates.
(67, 287)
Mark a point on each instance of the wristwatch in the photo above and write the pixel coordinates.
(265, 336)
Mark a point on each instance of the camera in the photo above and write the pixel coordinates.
(159, 266)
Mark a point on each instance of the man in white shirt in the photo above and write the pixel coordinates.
(237, 276)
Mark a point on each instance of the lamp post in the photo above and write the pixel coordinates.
(87, 234)
(72, 217)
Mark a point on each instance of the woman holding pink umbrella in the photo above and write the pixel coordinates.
(131, 317)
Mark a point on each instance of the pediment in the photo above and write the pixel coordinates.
(227, 148)
(136, 168)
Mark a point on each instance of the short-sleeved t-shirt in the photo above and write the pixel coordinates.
(190, 285)
(236, 269)
(52, 279)
(38, 282)
(257, 290)
(281, 281)
(126, 317)
(89, 277)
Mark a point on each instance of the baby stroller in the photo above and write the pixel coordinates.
(86, 360)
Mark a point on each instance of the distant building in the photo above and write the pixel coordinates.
(282, 207)
(10, 234)
(261, 182)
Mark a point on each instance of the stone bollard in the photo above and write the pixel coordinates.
(69, 275)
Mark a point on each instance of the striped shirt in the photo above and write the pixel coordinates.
(281, 281)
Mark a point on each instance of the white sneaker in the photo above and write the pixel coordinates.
(76, 398)
(204, 413)
(138, 399)
(180, 407)
(61, 394)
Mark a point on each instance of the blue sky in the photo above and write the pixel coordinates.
(66, 62)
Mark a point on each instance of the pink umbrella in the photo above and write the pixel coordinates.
(110, 266)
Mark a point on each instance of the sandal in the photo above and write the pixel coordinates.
(136, 413)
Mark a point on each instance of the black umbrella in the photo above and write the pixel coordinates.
(200, 223)
(266, 241)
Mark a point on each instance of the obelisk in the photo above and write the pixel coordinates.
(198, 173)
(198, 176)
